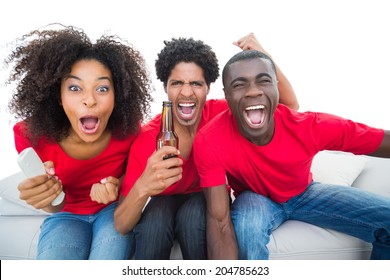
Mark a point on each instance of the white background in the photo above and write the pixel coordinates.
(335, 53)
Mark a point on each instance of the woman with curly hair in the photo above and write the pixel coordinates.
(81, 105)
(177, 208)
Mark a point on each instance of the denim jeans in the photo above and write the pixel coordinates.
(345, 209)
(67, 236)
(166, 218)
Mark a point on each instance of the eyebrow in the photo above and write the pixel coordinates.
(77, 78)
(175, 80)
(261, 75)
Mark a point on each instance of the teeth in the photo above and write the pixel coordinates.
(186, 104)
(257, 107)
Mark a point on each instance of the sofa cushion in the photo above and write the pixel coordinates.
(338, 168)
(11, 204)
(9, 208)
(302, 241)
(375, 177)
(19, 236)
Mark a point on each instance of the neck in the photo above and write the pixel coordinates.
(186, 130)
(186, 135)
(79, 149)
(261, 138)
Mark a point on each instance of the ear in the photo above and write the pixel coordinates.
(224, 91)
(165, 88)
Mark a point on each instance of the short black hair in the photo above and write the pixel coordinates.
(246, 54)
(187, 50)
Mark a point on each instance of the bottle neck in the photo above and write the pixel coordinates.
(167, 118)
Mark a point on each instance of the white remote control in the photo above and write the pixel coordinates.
(31, 165)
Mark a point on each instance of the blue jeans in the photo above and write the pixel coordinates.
(166, 218)
(345, 209)
(67, 236)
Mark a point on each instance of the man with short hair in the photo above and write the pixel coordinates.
(265, 151)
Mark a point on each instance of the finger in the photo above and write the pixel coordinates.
(49, 167)
(166, 150)
(111, 188)
(32, 182)
(104, 193)
(92, 193)
(241, 41)
(172, 162)
(112, 191)
(111, 180)
(172, 180)
(174, 171)
(42, 195)
(39, 202)
(35, 186)
(96, 192)
(163, 175)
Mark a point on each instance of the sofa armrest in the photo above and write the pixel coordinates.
(375, 176)
(10, 203)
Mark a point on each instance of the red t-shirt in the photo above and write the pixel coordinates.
(145, 144)
(280, 169)
(78, 176)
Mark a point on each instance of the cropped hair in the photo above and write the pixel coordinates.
(43, 58)
(247, 54)
(187, 50)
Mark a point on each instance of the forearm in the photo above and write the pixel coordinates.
(286, 92)
(383, 150)
(221, 240)
(129, 210)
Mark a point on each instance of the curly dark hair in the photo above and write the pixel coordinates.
(187, 50)
(44, 57)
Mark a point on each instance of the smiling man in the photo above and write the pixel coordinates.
(177, 209)
(265, 151)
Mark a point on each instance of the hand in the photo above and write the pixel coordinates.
(250, 42)
(159, 174)
(106, 191)
(40, 191)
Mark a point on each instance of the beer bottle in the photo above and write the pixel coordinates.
(167, 135)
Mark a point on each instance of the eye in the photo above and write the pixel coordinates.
(238, 85)
(265, 81)
(176, 83)
(196, 84)
(74, 88)
(103, 89)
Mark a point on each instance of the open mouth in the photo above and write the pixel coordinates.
(89, 125)
(254, 115)
(186, 110)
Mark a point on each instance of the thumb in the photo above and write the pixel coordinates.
(49, 166)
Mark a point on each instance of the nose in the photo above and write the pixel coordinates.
(89, 99)
(254, 90)
(186, 89)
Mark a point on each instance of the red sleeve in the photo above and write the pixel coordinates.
(211, 172)
(336, 133)
(213, 107)
(141, 149)
(20, 137)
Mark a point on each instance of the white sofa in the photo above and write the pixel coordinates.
(19, 223)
